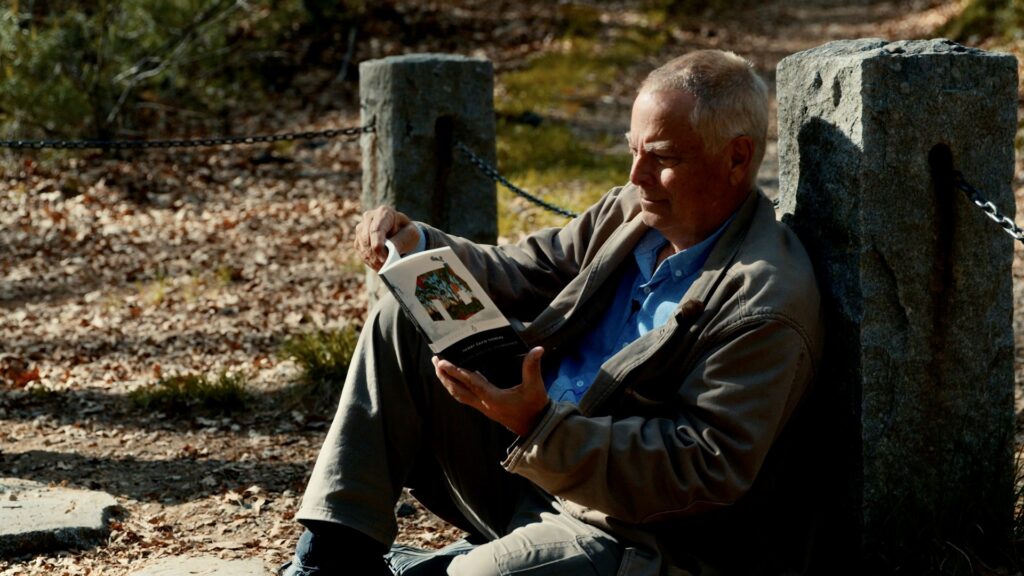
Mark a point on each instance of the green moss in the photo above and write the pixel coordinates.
(323, 358)
(565, 81)
(191, 393)
(580, 20)
(692, 11)
(554, 160)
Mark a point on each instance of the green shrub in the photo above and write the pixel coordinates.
(985, 19)
(694, 10)
(106, 68)
(322, 358)
(184, 394)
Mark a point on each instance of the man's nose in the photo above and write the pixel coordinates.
(640, 172)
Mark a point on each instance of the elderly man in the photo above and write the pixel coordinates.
(675, 330)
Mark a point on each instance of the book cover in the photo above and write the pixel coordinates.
(459, 320)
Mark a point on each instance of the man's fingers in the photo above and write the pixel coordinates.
(517, 408)
(398, 221)
(449, 370)
(378, 225)
(453, 388)
(455, 383)
(472, 387)
(460, 392)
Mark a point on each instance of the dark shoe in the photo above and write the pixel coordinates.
(326, 549)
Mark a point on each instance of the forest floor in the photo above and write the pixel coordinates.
(117, 271)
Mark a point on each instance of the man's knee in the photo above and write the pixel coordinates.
(392, 334)
(386, 317)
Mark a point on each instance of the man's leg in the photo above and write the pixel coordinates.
(392, 413)
(327, 549)
(543, 540)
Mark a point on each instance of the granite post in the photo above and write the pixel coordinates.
(420, 106)
(916, 391)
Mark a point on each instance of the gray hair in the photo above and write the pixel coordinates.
(731, 99)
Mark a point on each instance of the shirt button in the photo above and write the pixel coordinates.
(579, 383)
(679, 273)
(647, 289)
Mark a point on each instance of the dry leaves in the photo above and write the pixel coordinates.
(115, 272)
(158, 265)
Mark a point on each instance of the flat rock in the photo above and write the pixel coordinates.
(35, 517)
(203, 566)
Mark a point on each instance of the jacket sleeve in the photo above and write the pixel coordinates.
(705, 452)
(524, 277)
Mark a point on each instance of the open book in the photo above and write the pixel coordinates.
(451, 309)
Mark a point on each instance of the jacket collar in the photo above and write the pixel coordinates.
(725, 249)
(689, 309)
(620, 246)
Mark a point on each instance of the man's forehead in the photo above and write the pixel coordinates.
(660, 144)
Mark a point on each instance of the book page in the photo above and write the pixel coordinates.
(441, 294)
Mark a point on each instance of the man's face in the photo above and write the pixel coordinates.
(682, 187)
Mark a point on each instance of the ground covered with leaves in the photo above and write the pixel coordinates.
(125, 274)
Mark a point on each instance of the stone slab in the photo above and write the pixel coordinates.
(35, 517)
(203, 566)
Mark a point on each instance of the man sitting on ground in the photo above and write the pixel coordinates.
(676, 331)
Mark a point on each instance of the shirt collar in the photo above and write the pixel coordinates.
(681, 264)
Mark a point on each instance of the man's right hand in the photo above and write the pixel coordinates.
(383, 223)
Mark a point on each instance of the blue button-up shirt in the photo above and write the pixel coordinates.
(645, 300)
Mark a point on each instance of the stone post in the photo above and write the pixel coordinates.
(420, 105)
(917, 288)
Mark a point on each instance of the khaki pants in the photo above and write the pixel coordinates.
(396, 426)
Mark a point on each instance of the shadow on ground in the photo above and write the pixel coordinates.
(169, 481)
(264, 412)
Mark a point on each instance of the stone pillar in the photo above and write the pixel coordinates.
(421, 104)
(917, 289)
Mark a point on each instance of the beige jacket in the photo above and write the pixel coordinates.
(666, 447)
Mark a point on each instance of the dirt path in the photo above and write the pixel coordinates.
(115, 272)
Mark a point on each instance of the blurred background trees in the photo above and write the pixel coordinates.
(106, 69)
(109, 68)
(1002, 20)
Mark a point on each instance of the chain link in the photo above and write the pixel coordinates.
(181, 143)
(1005, 222)
(493, 173)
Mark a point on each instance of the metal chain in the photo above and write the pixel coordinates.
(491, 172)
(181, 143)
(988, 207)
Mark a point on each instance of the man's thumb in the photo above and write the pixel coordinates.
(531, 363)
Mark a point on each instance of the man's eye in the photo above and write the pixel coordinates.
(666, 160)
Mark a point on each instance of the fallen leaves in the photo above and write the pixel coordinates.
(115, 272)
(101, 294)
(16, 373)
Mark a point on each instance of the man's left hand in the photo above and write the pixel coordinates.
(517, 408)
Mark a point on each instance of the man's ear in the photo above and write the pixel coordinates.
(740, 153)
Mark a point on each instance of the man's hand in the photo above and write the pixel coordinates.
(517, 408)
(379, 224)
